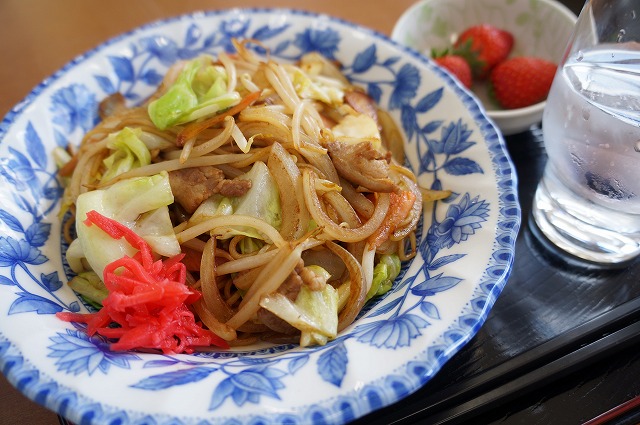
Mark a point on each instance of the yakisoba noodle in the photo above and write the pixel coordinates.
(284, 194)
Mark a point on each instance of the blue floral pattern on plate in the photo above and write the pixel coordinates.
(441, 298)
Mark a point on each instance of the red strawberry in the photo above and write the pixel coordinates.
(484, 46)
(458, 66)
(522, 81)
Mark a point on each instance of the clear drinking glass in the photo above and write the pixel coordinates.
(588, 201)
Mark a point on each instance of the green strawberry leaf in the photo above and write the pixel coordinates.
(471, 56)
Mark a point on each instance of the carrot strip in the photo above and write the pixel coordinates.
(192, 130)
(192, 259)
(399, 208)
(67, 169)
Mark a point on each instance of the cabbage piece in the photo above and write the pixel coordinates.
(355, 128)
(98, 248)
(90, 286)
(384, 273)
(261, 201)
(213, 206)
(153, 141)
(75, 257)
(210, 81)
(129, 198)
(156, 228)
(250, 245)
(129, 152)
(325, 89)
(132, 202)
(200, 90)
(177, 100)
(60, 156)
(211, 107)
(314, 313)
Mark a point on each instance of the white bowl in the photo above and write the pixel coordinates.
(540, 28)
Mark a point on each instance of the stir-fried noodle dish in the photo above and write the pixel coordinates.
(246, 200)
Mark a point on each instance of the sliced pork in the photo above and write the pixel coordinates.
(192, 186)
(363, 165)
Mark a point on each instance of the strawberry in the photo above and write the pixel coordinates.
(458, 66)
(484, 46)
(521, 81)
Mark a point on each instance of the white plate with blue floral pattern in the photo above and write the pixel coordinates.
(438, 303)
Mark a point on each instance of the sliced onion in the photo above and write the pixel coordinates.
(344, 209)
(266, 131)
(325, 259)
(80, 173)
(368, 259)
(295, 216)
(391, 136)
(209, 285)
(334, 230)
(322, 162)
(357, 286)
(245, 279)
(363, 206)
(223, 330)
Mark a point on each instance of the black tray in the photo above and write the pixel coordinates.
(559, 345)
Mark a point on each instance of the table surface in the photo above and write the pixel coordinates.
(547, 294)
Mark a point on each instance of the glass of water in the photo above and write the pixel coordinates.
(588, 201)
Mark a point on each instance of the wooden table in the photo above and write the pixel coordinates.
(546, 296)
(38, 37)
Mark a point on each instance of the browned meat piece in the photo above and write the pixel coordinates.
(327, 121)
(362, 164)
(312, 280)
(275, 323)
(234, 188)
(362, 103)
(290, 288)
(112, 105)
(192, 186)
